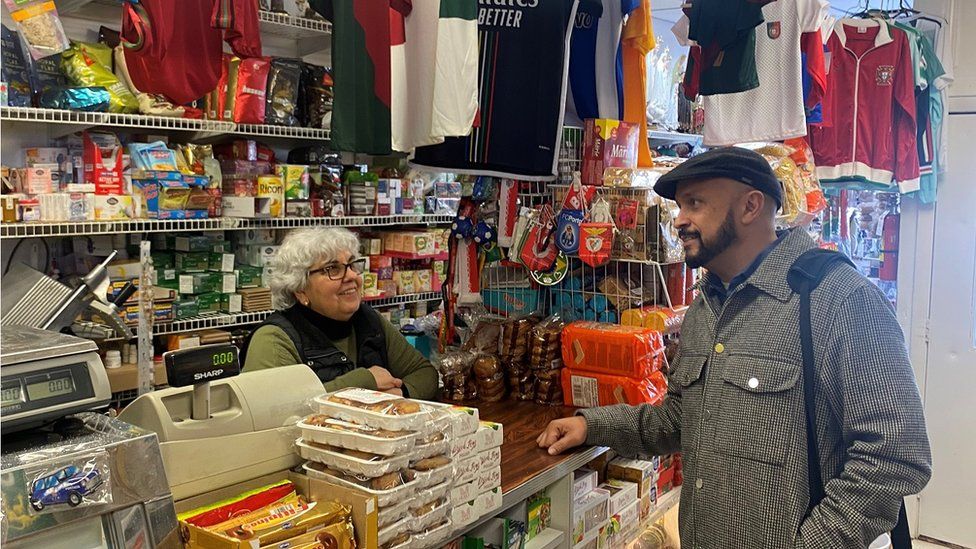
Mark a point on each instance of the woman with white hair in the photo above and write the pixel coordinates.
(316, 286)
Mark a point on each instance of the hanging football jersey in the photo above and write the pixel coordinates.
(455, 102)
(871, 142)
(637, 41)
(413, 58)
(738, 117)
(175, 49)
(522, 91)
(361, 69)
(814, 75)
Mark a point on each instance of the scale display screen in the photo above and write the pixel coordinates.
(12, 394)
(54, 384)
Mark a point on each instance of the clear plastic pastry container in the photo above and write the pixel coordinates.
(429, 514)
(385, 535)
(431, 446)
(430, 494)
(392, 513)
(432, 535)
(434, 476)
(376, 409)
(323, 429)
(384, 497)
(351, 461)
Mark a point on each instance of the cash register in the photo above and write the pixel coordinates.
(71, 477)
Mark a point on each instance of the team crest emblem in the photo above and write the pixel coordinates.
(773, 29)
(885, 75)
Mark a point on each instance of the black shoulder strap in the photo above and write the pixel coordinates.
(281, 321)
(804, 276)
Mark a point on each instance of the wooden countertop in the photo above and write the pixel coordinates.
(524, 464)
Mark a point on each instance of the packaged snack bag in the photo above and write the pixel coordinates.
(252, 86)
(84, 69)
(40, 26)
(14, 67)
(282, 93)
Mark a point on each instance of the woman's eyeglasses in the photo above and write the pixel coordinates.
(337, 271)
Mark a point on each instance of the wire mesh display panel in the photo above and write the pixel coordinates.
(652, 237)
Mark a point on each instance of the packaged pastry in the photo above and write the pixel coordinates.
(544, 345)
(352, 461)
(612, 349)
(431, 471)
(374, 408)
(321, 514)
(392, 513)
(514, 343)
(221, 511)
(455, 369)
(585, 389)
(430, 449)
(429, 514)
(434, 534)
(400, 541)
(485, 336)
(324, 429)
(431, 493)
(388, 489)
(387, 535)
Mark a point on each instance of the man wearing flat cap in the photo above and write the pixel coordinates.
(792, 399)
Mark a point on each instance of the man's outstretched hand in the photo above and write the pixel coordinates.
(563, 434)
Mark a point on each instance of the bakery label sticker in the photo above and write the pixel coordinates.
(366, 396)
(885, 75)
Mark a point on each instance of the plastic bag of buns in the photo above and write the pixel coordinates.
(544, 344)
(489, 377)
(455, 368)
(515, 334)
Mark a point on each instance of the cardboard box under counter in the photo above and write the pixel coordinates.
(364, 510)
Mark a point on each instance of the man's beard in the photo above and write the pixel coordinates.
(709, 250)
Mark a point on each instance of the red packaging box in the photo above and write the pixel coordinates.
(102, 157)
(607, 144)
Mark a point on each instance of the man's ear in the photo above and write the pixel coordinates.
(753, 206)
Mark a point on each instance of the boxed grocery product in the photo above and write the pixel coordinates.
(30, 209)
(622, 494)
(464, 492)
(109, 207)
(337, 505)
(465, 513)
(208, 302)
(254, 236)
(257, 255)
(298, 208)
(192, 244)
(222, 262)
(192, 262)
(103, 162)
(40, 179)
(539, 516)
(467, 470)
(295, 178)
(172, 195)
(370, 285)
(272, 188)
(166, 278)
(613, 349)
(230, 303)
(589, 514)
(464, 447)
(638, 471)
(490, 458)
(185, 307)
(584, 482)
(422, 281)
(200, 283)
(489, 478)
(128, 269)
(489, 501)
(248, 276)
(623, 526)
(607, 144)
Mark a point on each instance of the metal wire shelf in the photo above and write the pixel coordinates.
(297, 28)
(142, 121)
(224, 320)
(290, 132)
(139, 226)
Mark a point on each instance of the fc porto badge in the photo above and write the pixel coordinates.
(885, 75)
(773, 29)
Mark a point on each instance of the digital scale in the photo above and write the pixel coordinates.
(47, 375)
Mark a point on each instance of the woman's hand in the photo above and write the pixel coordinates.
(384, 379)
(394, 392)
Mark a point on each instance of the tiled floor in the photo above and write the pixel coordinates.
(919, 544)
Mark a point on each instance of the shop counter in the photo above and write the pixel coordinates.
(528, 469)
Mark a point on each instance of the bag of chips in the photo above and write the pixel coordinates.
(39, 26)
(84, 70)
(282, 95)
(14, 67)
(88, 99)
(252, 87)
(46, 77)
(314, 95)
